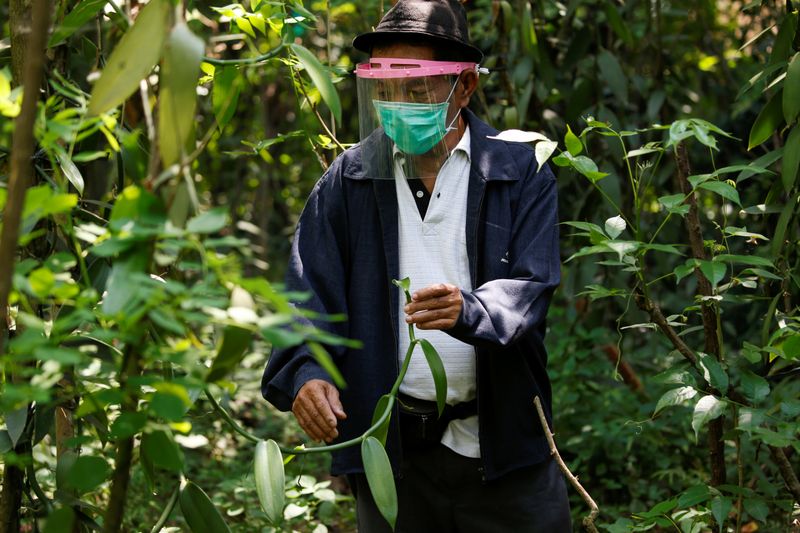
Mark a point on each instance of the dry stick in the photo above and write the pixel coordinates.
(712, 346)
(21, 173)
(588, 521)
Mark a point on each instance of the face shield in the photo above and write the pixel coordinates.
(405, 110)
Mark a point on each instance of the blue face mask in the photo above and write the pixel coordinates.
(415, 128)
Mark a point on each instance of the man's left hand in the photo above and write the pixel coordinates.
(435, 307)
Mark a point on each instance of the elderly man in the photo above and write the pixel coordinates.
(428, 194)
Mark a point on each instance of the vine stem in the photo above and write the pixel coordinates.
(173, 499)
(247, 60)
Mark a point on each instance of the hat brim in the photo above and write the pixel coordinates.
(366, 41)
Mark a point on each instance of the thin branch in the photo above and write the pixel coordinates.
(786, 470)
(588, 521)
(652, 309)
(247, 60)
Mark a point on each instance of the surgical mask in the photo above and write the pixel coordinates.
(415, 128)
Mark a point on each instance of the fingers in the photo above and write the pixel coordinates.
(433, 291)
(435, 307)
(317, 408)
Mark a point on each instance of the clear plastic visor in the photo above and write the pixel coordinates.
(403, 122)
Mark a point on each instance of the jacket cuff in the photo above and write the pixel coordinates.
(463, 327)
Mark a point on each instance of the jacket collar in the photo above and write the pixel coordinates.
(491, 159)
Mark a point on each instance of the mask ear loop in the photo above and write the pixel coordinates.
(450, 127)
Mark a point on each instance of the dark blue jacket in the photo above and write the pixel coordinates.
(345, 254)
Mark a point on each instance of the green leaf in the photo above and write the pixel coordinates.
(385, 402)
(200, 513)
(543, 150)
(15, 423)
(693, 496)
(752, 260)
(722, 188)
(714, 373)
(133, 58)
(791, 158)
(122, 285)
(211, 221)
(758, 509)
(235, 343)
(615, 226)
(225, 94)
(781, 227)
(783, 42)
(611, 72)
(574, 145)
(41, 281)
(60, 520)
(70, 170)
(80, 15)
(282, 338)
(270, 480)
(324, 359)
(713, 271)
(87, 473)
(675, 397)
(161, 450)
(720, 507)
(127, 425)
(405, 285)
(180, 69)
(754, 386)
(168, 406)
(437, 370)
(791, 90)
(755, 168)
(768, 120)
(380, 478)
(320, 77)
(707, 409)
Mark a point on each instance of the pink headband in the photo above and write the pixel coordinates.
(385, 67)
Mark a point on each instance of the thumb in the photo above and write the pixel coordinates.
(332, 394)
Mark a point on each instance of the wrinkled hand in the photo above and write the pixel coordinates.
(317, 408)
(435, 307)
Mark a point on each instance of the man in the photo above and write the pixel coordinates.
(472, 222)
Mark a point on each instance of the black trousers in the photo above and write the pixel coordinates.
(440, 491)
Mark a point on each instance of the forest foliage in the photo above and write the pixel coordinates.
(151, 186)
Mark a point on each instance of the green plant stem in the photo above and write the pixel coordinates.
(247, 60)
(173, 499)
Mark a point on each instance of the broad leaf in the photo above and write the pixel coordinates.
(675, 397)
(791, 158)
(573, 143)
(235, 342)
(133, 58)
(270, 480)
(543, 151)
(612, 74)
(380, 478)
(720, 507)
(200, 513)
(161, 450)
(754, 386)
(713, 271)
(791, 90)
(768, 120)
(615, 226)
(320, 77)
(707, 409)
(87, 473)
(80, 15)
(751, 260)
(123, 284)
(180, 69)
(693, 496)
(61, 520)
(385, 402)
(225, 94)
(714, 373)
(210, 221)
(437, 370)
(722, 188)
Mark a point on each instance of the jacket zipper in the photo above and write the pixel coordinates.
(481, 469)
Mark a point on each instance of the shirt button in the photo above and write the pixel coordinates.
(420, 194)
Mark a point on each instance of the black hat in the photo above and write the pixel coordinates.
(438, 20)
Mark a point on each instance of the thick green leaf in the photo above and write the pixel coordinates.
(211, 221)
(70, 171)
(675, 397)
(161, 450)
(87, 472)
(270, 480)
(768, 120)
(574, 145)
(235, 343)
(380, 478)
(437, 370)
(781, 227)
(758, 509)
(751, 260)
(755, 168)
(791, 159)
(722, 188)
(714, 373)
(612, 73)
(60, 520)
(200, 513)
(80, 15)
(791, 90)
(225, 95)
(783, 42)
(693, 496)
(385, 402)
(133, 58)
(127, 424)
(180, 69)
(123, 285)
(707, 409)
(720, 507)
(754, 386)
(320, 77)
(713, 271)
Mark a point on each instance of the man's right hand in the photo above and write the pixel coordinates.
(317, 408)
